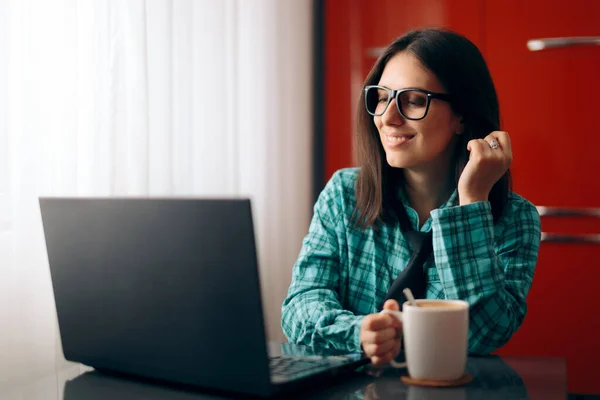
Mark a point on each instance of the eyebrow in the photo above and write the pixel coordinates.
(405, 88)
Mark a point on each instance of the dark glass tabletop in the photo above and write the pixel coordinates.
(494, 378)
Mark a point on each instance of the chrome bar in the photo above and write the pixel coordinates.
(578, 239)
(568, 212)
(553, 43)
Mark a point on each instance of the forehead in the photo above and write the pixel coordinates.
(404, 70)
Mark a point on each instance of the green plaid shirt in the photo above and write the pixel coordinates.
(344, 272)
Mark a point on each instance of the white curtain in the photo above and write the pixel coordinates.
(155, 97)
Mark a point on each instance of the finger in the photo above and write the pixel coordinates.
(379, 361)
(372, 350)
(396, 323)
(387, 357)
(501, 136)
(391, 305)
(377, 337)
(381, 349)
(504, 152)
(470, 145)
(504, 139)
(477, 146)
(487, 149)
(479, 149)
(393, 353)
(377, 322)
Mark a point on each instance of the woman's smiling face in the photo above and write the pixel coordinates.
(416, 144)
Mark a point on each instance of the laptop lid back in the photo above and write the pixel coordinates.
(162, 288)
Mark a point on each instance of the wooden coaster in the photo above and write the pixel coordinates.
(463, 380)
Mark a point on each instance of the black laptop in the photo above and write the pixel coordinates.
(168, 289)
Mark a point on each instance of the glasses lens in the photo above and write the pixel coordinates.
(376, 100)
(413, 104)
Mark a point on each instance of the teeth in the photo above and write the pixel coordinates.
(398, 139)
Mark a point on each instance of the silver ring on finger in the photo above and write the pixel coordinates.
(494, 143)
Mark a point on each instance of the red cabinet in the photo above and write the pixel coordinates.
(549, 104)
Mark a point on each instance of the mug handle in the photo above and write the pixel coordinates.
(398, 316)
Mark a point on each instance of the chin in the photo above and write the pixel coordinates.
(397, 161)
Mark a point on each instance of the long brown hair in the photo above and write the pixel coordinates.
(460, 68)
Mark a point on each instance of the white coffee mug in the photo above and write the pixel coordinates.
(436, 334)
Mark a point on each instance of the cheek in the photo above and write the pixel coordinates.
(442, 132)
(440, 129)
(378, 123)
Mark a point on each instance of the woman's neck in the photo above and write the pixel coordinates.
(428, 190)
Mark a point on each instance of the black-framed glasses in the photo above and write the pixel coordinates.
(412, 104)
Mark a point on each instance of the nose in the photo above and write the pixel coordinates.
(391, 116)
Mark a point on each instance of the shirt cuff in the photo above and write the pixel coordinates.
(478, 210)
(356, 335)
(463, 238)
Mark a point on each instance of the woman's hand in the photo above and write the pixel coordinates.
(380, 335)
(485, 167)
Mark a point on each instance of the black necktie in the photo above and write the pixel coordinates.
(413, 276)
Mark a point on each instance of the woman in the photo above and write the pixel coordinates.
(429, 140)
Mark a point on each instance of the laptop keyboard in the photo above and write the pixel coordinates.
(289, 366)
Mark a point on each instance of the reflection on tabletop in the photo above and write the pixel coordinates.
(94, 385)
(493, 379)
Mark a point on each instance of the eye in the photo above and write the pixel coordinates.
(382, 96)
(413, 99)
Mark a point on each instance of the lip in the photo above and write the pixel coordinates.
(394, 140)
